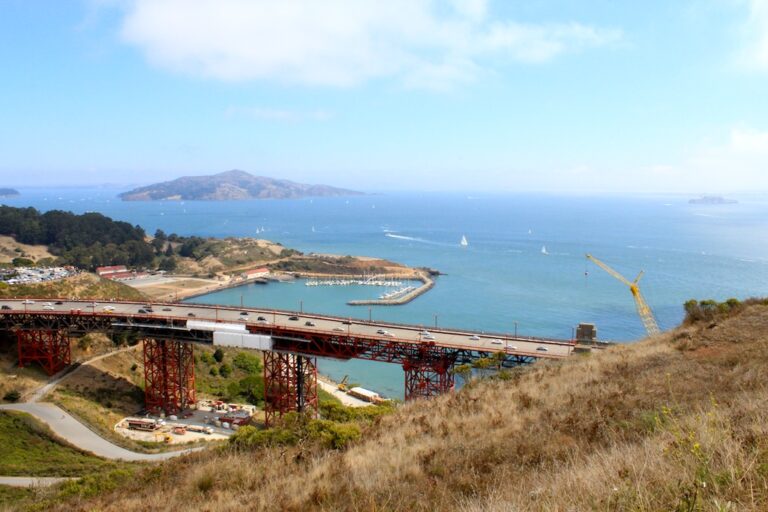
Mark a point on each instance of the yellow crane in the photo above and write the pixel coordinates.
(646, 315)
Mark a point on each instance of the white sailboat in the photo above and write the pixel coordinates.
(544, 250)
(463, 242)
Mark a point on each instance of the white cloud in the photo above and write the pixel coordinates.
(276, 114)
(754, 54)
(342, 42)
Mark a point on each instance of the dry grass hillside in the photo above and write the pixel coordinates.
(10, 249)
(81, 286)
(678, 422)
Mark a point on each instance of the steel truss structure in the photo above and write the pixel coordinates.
(49, 347)
(290, 371)
(290, 385)
(427, 378)
(169, 375)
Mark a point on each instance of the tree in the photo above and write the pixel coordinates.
(225, 370)
(218, 355)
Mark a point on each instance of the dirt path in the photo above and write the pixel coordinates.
(32, 481)
(38, 394)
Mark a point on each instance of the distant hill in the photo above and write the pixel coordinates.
(712, 200)
(8, 192)
(230, 185)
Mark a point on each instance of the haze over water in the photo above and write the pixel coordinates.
(502, 277)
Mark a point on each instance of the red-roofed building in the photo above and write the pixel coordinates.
(109, 272)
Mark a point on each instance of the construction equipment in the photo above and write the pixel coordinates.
(343, 384)
(646, 315)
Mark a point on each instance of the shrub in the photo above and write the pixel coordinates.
(247, 362)
(218, 355)
(225, 370)
(214, 371)
(12, 396)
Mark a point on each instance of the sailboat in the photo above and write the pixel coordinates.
(544, 250)
(463, 242)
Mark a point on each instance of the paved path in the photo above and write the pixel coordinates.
(77, 434)
(32, 481)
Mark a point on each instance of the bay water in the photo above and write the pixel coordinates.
(524, 267)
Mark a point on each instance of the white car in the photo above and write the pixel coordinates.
(496, 342)
(542, 349)
(28, 301)
(427, 337)
(425, 333)
(339, 329)
(475, 337)
(48, 308)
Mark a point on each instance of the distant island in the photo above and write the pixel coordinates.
(712, 200)
(230, 185)
(8, 192)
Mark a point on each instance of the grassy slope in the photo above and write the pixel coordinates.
(83, 286)
(29, 448)
(676, 422)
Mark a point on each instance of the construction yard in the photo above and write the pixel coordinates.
(209, 421)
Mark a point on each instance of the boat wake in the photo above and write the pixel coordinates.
(409, 238)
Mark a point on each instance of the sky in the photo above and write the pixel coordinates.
(603, 96)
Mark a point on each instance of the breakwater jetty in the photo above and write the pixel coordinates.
(398, 299)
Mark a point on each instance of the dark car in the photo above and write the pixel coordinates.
(166, 309)
(190, 314)
(142, 310)
(294, 318)
(261, 319)
(5, 307)
(243, 313)
(150, 310)
(58, 303)
(347, 322)
(309, 323)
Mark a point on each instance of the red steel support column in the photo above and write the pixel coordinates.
(427, 378)
(50, 348)
(290, 385)
(169, 375)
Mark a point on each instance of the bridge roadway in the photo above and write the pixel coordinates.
(289, 325)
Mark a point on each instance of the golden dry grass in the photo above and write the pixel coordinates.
(678, 422)
(10, 249)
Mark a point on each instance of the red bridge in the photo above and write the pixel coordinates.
(291, 343)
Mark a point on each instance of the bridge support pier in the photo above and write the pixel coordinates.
(425, 378)
(169, 375)
(49, 347)
(290, 385)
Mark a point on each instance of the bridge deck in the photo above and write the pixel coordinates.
(287, 324)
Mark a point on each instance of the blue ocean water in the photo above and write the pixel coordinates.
(502, 279)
